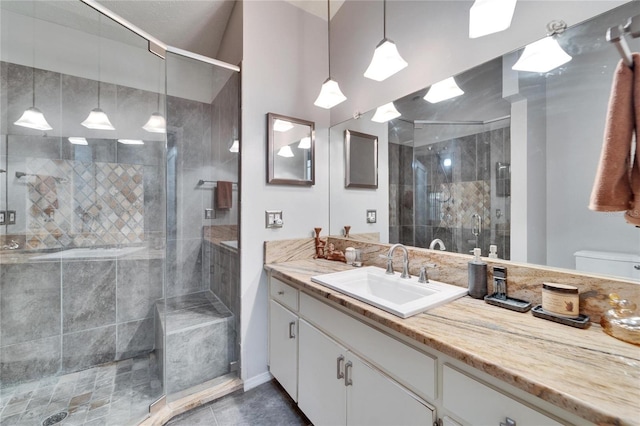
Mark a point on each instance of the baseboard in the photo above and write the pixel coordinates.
(255, 381)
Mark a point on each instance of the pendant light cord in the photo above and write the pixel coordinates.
(384, 19)
(329, 33)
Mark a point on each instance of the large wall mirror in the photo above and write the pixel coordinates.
(290, 150)
(510, 162)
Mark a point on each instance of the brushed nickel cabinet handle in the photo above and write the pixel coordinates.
(292, 333)
(281, 292)
(347, 376)
(339, 364)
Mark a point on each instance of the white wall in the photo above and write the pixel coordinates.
(349, 205)
(282, 72)
(432, 36)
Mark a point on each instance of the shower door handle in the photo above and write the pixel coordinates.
(476, 230)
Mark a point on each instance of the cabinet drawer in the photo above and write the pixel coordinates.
(477, 403)
(284, 294)
(410, 367)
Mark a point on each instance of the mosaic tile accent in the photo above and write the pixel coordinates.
(75, 204)
(467, 198)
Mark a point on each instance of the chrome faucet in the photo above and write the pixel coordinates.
(405, 260)
(437, 242)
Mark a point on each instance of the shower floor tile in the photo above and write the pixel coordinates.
(113, 394)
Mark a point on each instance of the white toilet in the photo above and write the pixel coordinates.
(626, 265)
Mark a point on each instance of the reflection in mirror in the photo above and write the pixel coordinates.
(512, 161)
(361, 160)
(290, 153)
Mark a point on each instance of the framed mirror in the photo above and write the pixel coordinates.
(361, 160)
(290, 150)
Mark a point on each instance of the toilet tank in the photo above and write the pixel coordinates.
(626, 265)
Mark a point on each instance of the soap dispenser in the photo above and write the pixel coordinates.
(477, 276)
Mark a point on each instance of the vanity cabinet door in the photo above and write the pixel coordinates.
(283, 347)
(479, 404)
(374, 399)
(321, 385)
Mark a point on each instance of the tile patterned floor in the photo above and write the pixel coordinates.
(265, 405)
(114, 394)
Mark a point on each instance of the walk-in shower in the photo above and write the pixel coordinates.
(115, 286)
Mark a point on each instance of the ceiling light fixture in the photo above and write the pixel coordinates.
(305, 143)
(235, 146)
(545, 54)
(330, 93)
(443, 90)
(78, 141)
(385, 113)
(490, 16)
(386, 60)
(285, 151)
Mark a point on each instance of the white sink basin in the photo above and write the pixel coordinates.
(399, 296)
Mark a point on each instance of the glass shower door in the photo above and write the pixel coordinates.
(201, 310)
(81, 257)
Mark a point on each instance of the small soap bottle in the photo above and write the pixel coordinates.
(477, 276)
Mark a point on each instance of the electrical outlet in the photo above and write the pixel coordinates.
(273, 219)
(11, 217)
(3, 217)
(372, 216)
(208, 213)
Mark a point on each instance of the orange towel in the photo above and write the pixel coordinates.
(633, 214)
(223, 195)
(617, 179)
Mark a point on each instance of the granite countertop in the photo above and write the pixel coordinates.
(583, 371)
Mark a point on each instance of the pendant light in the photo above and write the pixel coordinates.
(330, 93)
(305, 143)
(443, 90)
(156, 123)
(282, 125)
(285, 151)
(78, 140)
(545, 54)
(235, 146)
(490, 16)
(32, 117)
(97, 118)
(385, 113)
(386, 60)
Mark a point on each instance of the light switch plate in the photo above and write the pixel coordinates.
(3, 218)
(208, 213)
(273, 219)
(372, 216)
(11, 217)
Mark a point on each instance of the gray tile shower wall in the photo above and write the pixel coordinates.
(38, 297)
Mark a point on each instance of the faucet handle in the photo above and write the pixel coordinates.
(424, 277)
(389, 263)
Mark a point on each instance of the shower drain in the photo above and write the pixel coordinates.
(55, 418)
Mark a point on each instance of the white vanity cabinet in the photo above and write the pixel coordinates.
(283, 336)
(344, 371)
(336, 387)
